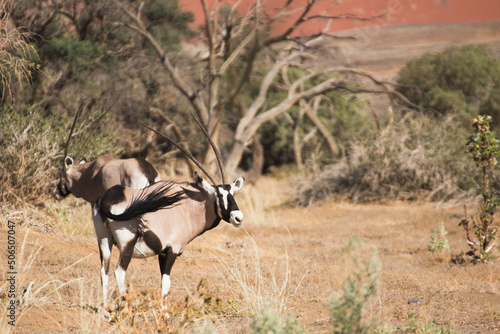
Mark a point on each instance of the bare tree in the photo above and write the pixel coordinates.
(236, 47)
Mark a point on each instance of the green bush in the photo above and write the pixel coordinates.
(349, 310)
(459, 80)
(84, 55)
(168, 22)
(342, 114)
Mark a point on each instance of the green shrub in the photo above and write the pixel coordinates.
(342, 114)
(349, 310)
(458, 80)
(439, 243)
(168, 22)
(484, 148)
(84, 55)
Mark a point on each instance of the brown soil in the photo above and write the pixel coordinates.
(299, 248)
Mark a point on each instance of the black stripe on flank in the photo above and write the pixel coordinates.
(152, 241)
(146, 201)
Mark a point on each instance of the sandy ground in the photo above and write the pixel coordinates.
(291, 255)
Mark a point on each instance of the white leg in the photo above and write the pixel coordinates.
(165, 286)
(166, 260)
(120, 280)
(104, 283)
(105, 242)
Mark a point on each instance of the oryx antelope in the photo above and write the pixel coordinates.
(161, 220)
(89, 180)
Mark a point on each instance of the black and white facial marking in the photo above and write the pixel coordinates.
(226, 206)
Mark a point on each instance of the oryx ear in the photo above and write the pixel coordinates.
(237, 184)
(68, 162)
(82, 161)
(203, 184)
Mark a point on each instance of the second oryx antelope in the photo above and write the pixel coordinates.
(89, 180)
(141, 227)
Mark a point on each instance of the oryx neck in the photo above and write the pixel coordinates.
(77, 183)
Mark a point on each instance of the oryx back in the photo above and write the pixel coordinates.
(90, 180)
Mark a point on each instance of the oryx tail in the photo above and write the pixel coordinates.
(148, 200)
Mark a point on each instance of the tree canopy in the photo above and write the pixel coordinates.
(464, 80)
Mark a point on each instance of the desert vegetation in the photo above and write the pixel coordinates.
(357, 185)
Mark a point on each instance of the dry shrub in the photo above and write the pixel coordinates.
(29, 146)
(32, 151)
(417, 157)
(29, 216)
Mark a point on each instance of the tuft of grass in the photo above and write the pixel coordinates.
(268, 320)
(73, 216)
(413, 325)
(257, 209)
(255, 282)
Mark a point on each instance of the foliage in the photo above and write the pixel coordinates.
(439, 243)
(484, 148)
(168, 22)
(269, 321)
(32, 147)
(341, 113)
(458, 80)
(83, 55)
(348, 310)
(412, 158)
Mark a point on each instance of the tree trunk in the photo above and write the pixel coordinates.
(257, 161)
(297, 147)
(313, 116)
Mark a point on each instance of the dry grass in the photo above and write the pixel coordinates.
(257, 282)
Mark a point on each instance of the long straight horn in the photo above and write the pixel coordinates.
(72, 128)
(189, 155)
(216, 151)
(96, 124)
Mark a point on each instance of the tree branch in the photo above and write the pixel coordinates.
(194, 98)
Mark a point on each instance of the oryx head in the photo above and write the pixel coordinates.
(226, 207)
(63, 188)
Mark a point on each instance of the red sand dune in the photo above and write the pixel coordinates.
(397, 11)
